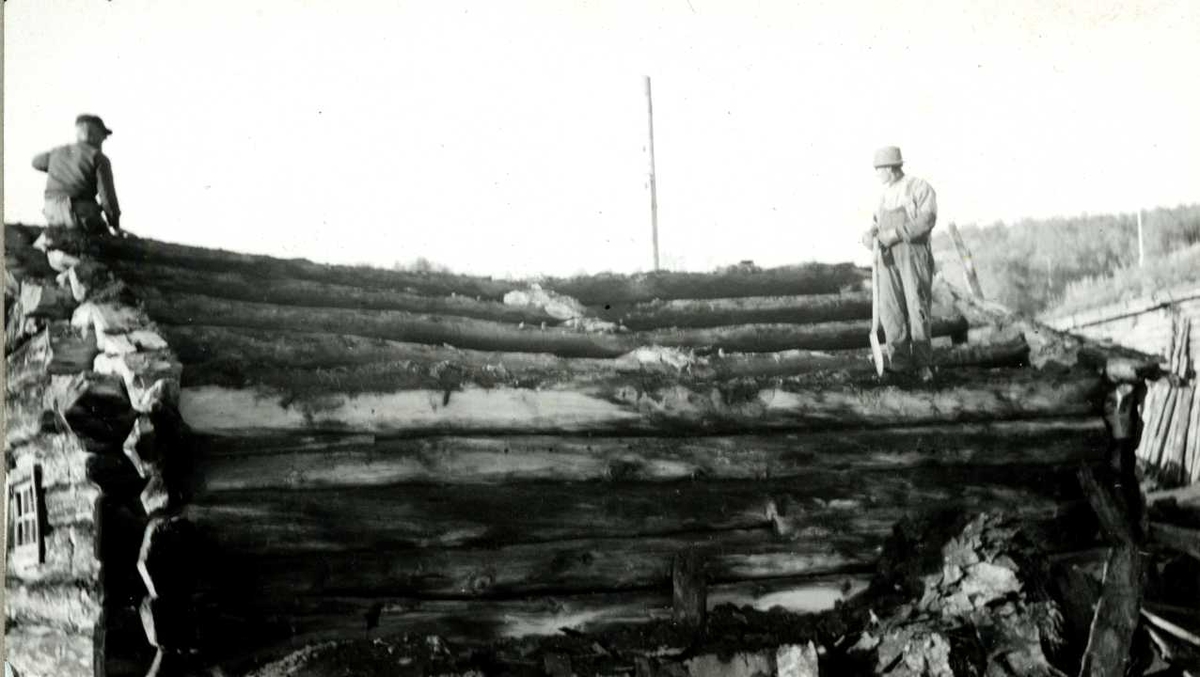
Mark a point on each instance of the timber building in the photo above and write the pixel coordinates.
(224, 456)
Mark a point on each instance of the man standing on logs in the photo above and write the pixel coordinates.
(900, 236)
(76, 174)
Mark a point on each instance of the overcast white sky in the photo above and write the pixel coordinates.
(509, 137)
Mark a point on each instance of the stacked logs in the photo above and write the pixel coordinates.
(378, 451)
(1170, 444)
(91, 405)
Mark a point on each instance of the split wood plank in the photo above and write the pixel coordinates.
(520, 570)
(231, 464)
(828, 502)
(638, 404)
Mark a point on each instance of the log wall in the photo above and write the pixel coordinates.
(317, 452)
(1142, 324)
(83, 365)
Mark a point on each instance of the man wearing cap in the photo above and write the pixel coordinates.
(76, 174)
(906, 214)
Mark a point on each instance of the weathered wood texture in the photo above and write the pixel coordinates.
(71, 607)
(1109, 647)
(829, 501)
(225, 464)
(238, 357)
(511, 571)
(40, 651)
(66, 461)
(814, 278)
(90, 404)
(718, 312)
(57, 350)
(1145, 325)
(463, 332)
(640, 403)
(71, 555)
(236, 635)
(244, 286)
(612, 290)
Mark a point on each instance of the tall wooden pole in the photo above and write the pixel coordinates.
(653, 183)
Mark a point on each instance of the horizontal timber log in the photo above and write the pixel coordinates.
(71, 607)
(558, 567)
(225, 464)
(237, 357)
(827, 502)
(813, 278)
(613, 290)
(41, 651)
(234, 636)
(639, 403)
(245, 286)
(718, 312)
(469, 333)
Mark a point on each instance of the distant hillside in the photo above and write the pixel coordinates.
(1030, 265)
(1178, 268)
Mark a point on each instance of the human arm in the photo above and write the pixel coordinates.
(869, 235)
(41, 162)
(108, 192)
(924, 201)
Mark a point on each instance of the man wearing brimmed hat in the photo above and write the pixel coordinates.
(904, 218)
(76, 174)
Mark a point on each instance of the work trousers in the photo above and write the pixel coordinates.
(61, 210)
(905, 300)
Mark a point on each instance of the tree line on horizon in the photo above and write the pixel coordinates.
(1028, 265)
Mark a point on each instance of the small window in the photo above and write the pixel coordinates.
(25, 517)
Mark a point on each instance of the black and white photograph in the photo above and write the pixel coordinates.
(625, 338)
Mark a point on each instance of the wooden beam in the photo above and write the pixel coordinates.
(806, 309)
(71, 555)
(613, 290)
(231, 356)
(814, 278)
(43, 650)
(827, 502)
(521, 570)
(468, 333)
(633, 404)
(248, 286)
(1109, 648)
(1109, 651)
(968, 262)
(69, 607)
(231, 464)
(234, 637)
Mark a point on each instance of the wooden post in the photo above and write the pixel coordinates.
(653, 183)
(967, 261)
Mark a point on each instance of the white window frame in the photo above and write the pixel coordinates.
(25, 517)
